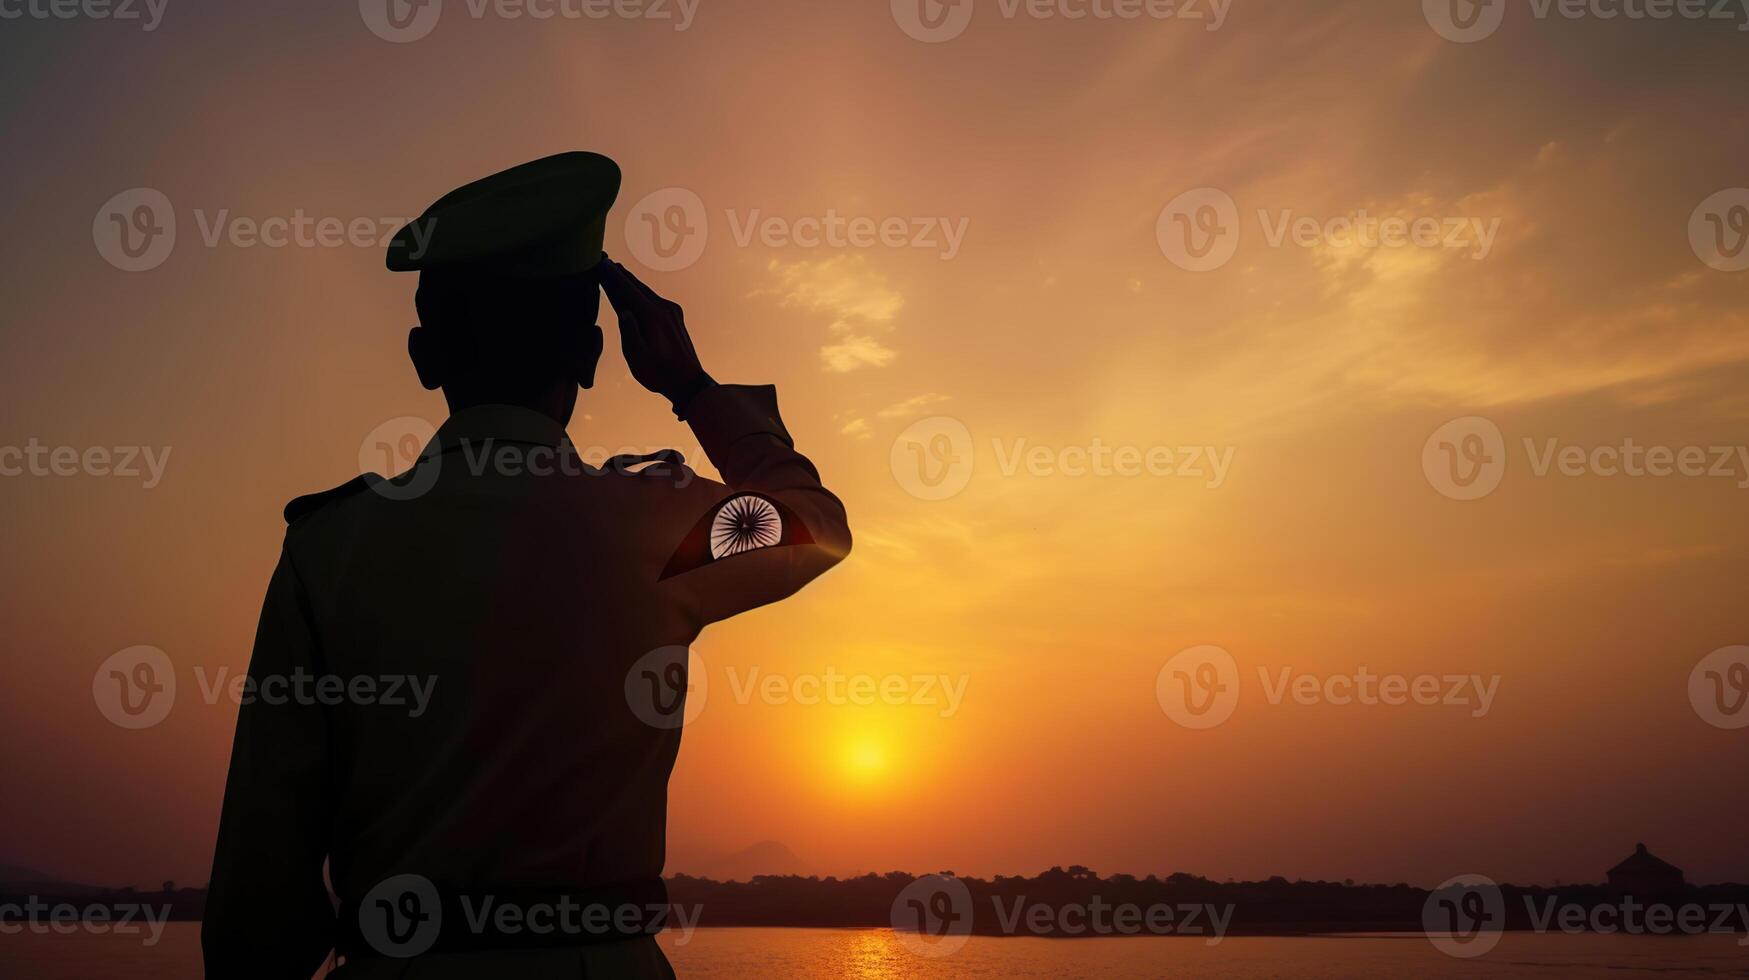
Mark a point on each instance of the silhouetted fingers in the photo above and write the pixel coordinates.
(653, 296)
(622, 291)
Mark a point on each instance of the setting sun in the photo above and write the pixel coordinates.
(865, 759)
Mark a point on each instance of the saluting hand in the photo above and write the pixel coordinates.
(652, 335)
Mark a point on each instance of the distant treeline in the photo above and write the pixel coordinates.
(1185, 903)
(1065, 902)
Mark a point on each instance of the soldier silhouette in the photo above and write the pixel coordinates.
(467, 680)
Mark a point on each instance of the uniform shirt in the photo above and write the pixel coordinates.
(523, 590)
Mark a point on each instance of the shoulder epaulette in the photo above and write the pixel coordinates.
(623, 463)
(311, 502)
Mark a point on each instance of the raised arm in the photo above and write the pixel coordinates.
(772, 526)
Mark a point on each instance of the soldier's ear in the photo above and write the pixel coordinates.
(423, 348)
(588, 355)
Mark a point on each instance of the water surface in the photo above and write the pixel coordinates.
(880, 954)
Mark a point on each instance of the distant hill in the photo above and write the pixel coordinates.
(14, 879)
(768, 857)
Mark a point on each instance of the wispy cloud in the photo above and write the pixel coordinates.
(856, 351)
(859, 300)
(912, 406)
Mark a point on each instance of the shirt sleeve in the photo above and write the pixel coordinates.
(739, 428)
(268, 912)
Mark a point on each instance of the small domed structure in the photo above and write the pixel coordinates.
(1643, 873)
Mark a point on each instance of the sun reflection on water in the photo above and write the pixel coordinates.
(876, 954)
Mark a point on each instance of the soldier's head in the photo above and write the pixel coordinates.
(508, 283)
(487, 339)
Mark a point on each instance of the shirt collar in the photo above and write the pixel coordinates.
(499, 423)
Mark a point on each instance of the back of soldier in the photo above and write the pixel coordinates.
(491, 648)
(481, 590)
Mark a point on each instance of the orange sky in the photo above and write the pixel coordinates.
(1059, 319)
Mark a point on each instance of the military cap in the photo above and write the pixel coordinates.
(541, 219)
